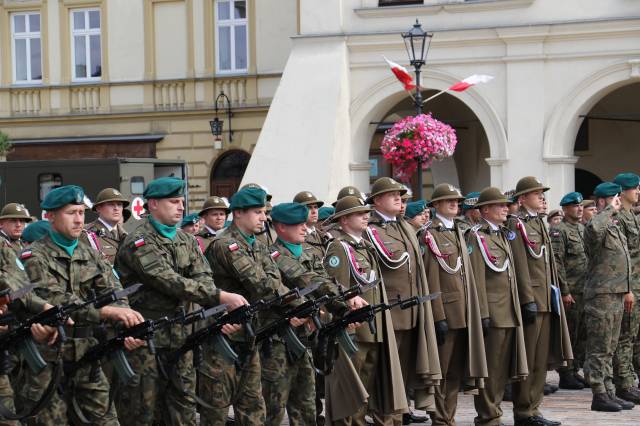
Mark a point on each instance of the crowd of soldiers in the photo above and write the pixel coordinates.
(380, 304)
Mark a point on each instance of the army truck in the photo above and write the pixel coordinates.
(28, 182)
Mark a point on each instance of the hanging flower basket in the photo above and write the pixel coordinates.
(414, 139)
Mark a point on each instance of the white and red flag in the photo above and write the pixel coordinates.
(463, 85)
(402, 75)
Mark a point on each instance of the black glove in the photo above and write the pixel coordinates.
(486, 322)
(442, 328)
(529, 311)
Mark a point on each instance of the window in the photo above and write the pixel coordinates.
(26, 47)
(137, 185)
(48, 182)
(86, 49)
(231, 36)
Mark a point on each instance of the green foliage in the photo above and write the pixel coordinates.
(5, 143)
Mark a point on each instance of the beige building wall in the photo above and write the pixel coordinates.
(159, 76)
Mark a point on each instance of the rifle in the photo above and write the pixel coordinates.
(242, 315)
(113, 348)
(57, 316)
(7, 296)
(336, 329)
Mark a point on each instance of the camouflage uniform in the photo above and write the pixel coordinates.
(104, 240)
(62, 279)
(286, 381)
(570, 255)
(16, 245)
(13, 276)
(206, 236)
(247, 269)
(174, 274)
(608, 279)
(624, 374)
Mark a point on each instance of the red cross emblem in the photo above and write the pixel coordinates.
(137, 207)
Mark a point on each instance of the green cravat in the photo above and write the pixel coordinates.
(63, 242)
(295, 249)
(164, 230)
(250, 239)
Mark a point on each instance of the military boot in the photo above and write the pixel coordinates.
(602, 402)
(582, 380)
(631, 394)
(626, 405)
(569, 381)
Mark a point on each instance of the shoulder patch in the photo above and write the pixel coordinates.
(554, 233)
(139, 242)
(469, 248)
(26, 254)
(511, 235)
(19, 264)
(275, 255)
(334, 261)
(233, 247)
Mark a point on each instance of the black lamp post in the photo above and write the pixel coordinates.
(417, 42)
(217, 124)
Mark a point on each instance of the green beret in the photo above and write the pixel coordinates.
(249, 197)
(414, 208)
(165, 187)
(607, 189)
(470, 200)
(571, 198)
(60, 197)
(36, 230)
(290, 213)
(190, 219)
(627, 180)
(325, 212)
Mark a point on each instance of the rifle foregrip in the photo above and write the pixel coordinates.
(316, 321)
(347, 344)
(294, 344)
(223, 348)
(372, 325)
(32, 355)
(248, 329)
(123, 368)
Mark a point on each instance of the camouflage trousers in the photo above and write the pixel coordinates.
(288, 384)
(222, 383)
(149, 398)
(624, 373)
(6, 398)
(91, 397)
(603, 318)
(577, 333)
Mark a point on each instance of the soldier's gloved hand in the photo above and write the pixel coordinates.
(486, 322)
(442, 328)
(529, 312)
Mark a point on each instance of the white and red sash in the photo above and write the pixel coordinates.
(356, 270)
(489, 259)
(527, 242)
(384, 253)
(433, 247)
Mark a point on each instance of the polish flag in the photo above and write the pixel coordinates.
(463, 85)
(401, 74)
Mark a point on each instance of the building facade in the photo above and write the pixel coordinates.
(139, 78)
(563, 104)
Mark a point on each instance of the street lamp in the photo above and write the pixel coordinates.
(217, 124)
(417, 42)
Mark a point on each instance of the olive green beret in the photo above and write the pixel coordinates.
(60, 197)
(248, 197)
(190, 219)
(36, 230)
(627, 180)
(529, 184)
(470, 200)
(325, 212)
(258, 186)
(109, 195)
(607, 189)
(15, 211)
(215, 202)
(414, 208)
(307, 198)
(290, 213)
(571, 198)
(165, 187)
